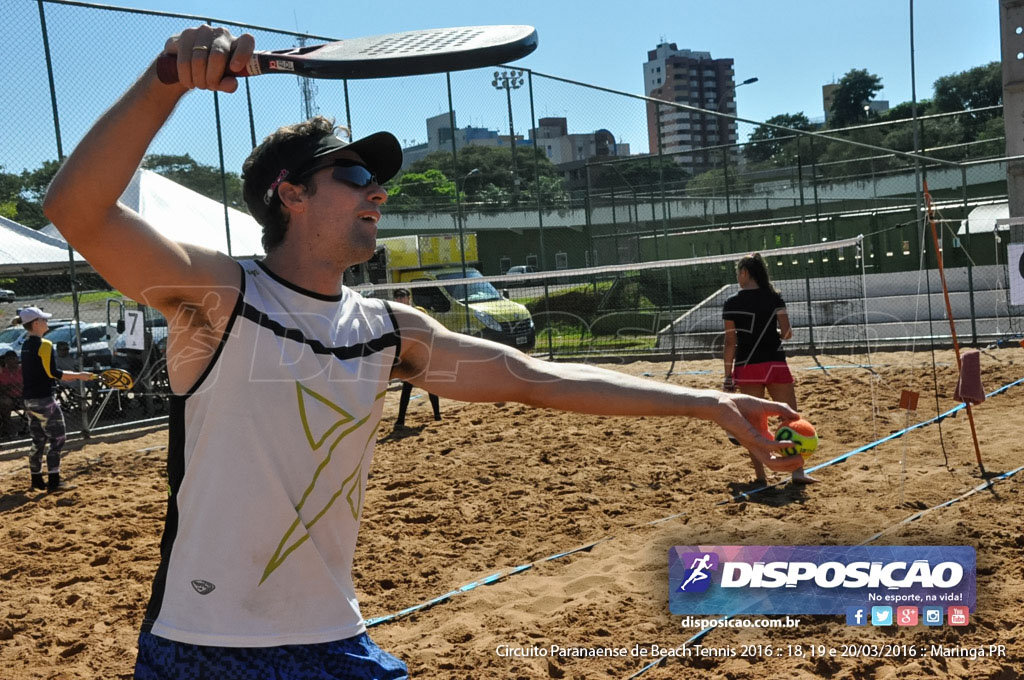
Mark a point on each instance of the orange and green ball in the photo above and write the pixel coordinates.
(803, 436)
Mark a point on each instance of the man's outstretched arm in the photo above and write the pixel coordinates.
(461, 367)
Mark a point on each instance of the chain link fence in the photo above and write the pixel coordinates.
(546, 174)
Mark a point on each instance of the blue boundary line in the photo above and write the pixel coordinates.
(485, 581)
(500, 575)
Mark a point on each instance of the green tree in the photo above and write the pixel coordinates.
(21, 196)
(493, 184)
(975, 88)
(203, 179)
(642, 175)
(421, 191)
(767, 143)
(711, 184)
(855, 88)
(10, 193)
(972, 89)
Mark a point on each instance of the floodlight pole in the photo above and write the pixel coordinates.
(508, 81)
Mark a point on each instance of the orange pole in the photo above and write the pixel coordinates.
(949, 315)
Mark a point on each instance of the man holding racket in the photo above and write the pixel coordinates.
(279, 374)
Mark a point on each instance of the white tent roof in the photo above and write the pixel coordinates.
(982, 220)
(24, 250)
(185, 216)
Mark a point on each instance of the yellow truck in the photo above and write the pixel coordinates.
(472, 307)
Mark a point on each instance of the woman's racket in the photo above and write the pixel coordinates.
(411, 53)
(116, 379)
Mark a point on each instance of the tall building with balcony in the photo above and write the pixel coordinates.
(695, 79)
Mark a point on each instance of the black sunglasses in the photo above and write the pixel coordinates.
(350, 172)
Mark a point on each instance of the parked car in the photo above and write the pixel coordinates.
(6, 295)
(13, 337)
(95, 342)
(522, 269)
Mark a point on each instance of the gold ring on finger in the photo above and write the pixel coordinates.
(204, 48)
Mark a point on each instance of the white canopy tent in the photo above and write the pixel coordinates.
(186, 216)
(27, 251)
(984, 219)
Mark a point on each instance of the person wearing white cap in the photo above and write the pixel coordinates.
(39, 374)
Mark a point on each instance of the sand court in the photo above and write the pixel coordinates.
(565, 521)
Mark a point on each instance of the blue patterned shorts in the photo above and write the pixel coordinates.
(355, 658)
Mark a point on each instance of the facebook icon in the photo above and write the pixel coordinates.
(856, 616)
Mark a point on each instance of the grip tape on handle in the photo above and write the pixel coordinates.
(167, 68)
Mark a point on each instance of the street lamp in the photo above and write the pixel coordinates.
(508, 81)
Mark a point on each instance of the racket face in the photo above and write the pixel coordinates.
(117, 379)
(406, 54)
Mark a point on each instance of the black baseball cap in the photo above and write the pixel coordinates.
(380, 151)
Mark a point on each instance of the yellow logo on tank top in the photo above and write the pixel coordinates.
(322, 418)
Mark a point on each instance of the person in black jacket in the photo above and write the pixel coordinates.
(756, 323)
(39, 374)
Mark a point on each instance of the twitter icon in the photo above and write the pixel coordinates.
(881, 616)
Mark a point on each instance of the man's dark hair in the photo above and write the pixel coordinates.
(282, 150)
(400, 292)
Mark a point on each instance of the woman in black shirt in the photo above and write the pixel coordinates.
(756, 323)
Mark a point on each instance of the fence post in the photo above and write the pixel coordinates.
(814, 185)
(810, 315)
(460, 225)
(248, 107)
(970, 262)
(664, 228)
(72, 273)
(728, 207)
(223, 175)
(591, 260)
(800, 186)
(540, 208)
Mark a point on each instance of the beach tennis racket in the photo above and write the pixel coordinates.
(117, 379)
(411, 53)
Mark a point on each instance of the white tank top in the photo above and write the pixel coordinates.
(267, 464)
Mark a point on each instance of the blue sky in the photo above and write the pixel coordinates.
(793, 47)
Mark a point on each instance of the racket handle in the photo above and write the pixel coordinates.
(167, 69)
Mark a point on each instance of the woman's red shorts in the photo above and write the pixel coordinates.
(765, 373)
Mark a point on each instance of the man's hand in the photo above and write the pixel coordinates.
(746, 419)
(207, 55)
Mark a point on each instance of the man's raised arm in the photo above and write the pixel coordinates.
(83, 198)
